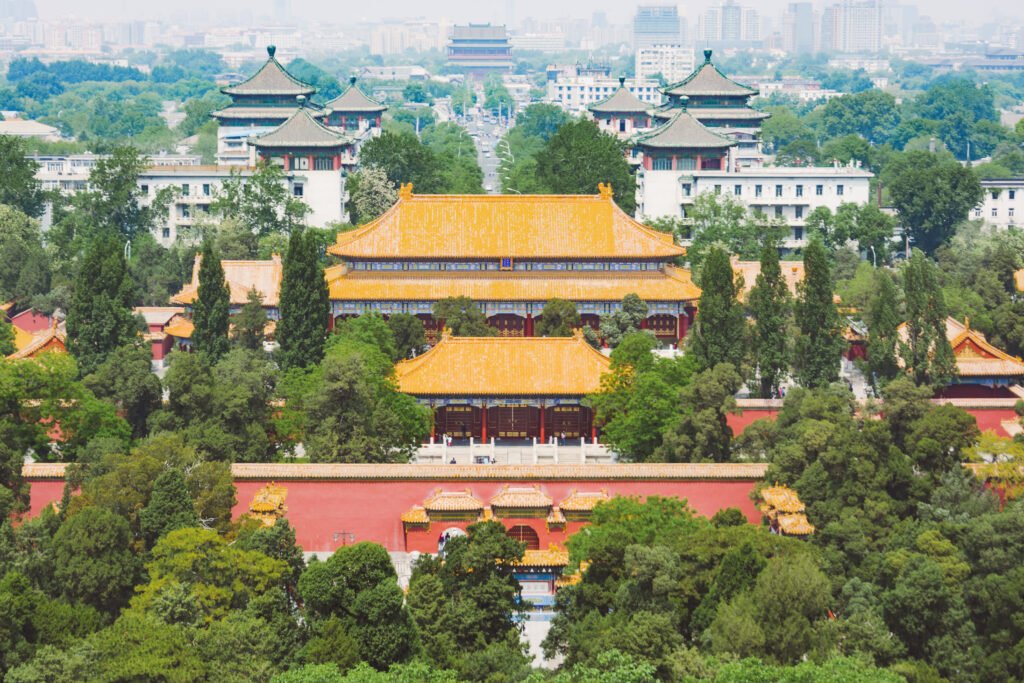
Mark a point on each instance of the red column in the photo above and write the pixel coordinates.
(433, 426)
(542, 423)
(643, 324)
(310, 161)
(287, 162)
(593, 432)
(483, 424)
(698, 162)
(337, 161)
(529, 325)
(684, 325)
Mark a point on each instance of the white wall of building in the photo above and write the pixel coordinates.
(1003, 203)
(575, 94)
(671, 61)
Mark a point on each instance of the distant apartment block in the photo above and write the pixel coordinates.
(799, 30)
(657, 25)
(575, 94)
(672, 62)
(480, 49)
(1003, 203)
(853, 26)
(728, 24)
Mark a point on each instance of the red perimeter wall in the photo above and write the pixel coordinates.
(988, 419)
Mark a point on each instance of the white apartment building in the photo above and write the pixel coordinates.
(576, 93)
(673, 62)
(1003, 203)
(789, 193)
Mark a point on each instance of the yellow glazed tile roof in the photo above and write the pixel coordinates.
(504, 366)
(792, 273)
(51, 340)
(417, 514)
(520, 497)
(556, 516)
(498, 226)
(754, 471)
(182, 328)
(583, 501)
(975, 356)
(552, 557)
(453, 501)
(795, 525)
(782, 498)
(672, 284)
(241, 276)
(1018, 279)
(22, 338)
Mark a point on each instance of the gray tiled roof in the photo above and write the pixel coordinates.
(621, 101)
(271, 79)
(707, 80)
(354, 99)
(684, 132)
(302, 130)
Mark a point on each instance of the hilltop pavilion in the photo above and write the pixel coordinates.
(511, 254)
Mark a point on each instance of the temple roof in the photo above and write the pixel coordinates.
(504, 366)
(182, 328)
(668, 110)
(271, 79)
(241, 276)
(51, 340)
(732, 471)
(583, 501)
(552, 557)
(975, 356)
(453, 501)
(354, 99)
(302, 130)
(782, 498)
(683, 131)
(243, 112)
(520, 497)
(708, 81)
(672, 284)
(621, 101)
(575, 227)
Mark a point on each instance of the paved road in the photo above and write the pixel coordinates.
(486, 132)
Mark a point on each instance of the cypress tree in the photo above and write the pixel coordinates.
(883, 329)
(250, 323)
(819, 345)
(100, 317)
(926, 351)
(770, 306)
(211, 309)
(305, 305)
(719, 332)
(170, 507)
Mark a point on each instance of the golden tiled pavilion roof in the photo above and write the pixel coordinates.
(576, 227)
(975, 355)
(51, 340)
(268, 504)
(583, 501)
(417, 514)
(795, 525)
(520, 497)
(556, 516)
(181, 327)
(553, 556)
(781, 498)
(241, 276)
(453, 501)
(670, 284)
(504, 366)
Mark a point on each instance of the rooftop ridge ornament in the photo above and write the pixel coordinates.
(405, 191)
(271, 51)
(707, 56)
(604, 190)
(622, 81)
(352, 80)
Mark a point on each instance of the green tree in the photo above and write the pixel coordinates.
(250, 323)
(305, 305)
(115, 200)
(405, 160)
(720, 332)
(212, 307)
(169, 507)
(770, 306)
(463, 317)
(19, 188)
(925, 351)
(872, 114)
(558, 319)
(627, 319)
(126, 379)
(541, 120)
(92, 559)
(819, 345)
(883, 320)
(262, 202)
(408, 333)
(722, 221)
(702, 432)
(24, 265)
(7, 346)
(579, 156)
(932, 193)
(100, 316)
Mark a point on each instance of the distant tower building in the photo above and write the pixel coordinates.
(732, 22)
(480, 49)
(854, 26)
(657, 25)
(282, 11)
(798, 28)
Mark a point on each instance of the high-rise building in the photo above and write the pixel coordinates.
(853, 26)
(728, 24)
(657, 25)
(673, 63)
(798, 28)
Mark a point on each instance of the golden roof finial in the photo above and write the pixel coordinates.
(405, 191)
(604, 190)
(446, 333)
(967, 322)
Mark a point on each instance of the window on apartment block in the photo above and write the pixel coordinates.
(799, 190)
(687, 189)
(297, 190)
(778, 212)
(166, 233)
(839, 190)
(661, 164)
(798, 233)
(718, 189)
(799, 212)
(778, 190)
(977, 213)
(1009, 212)
(819, 190)
(757, 190)
(737, 190)
(995, 194)
(622, 125)
(995, 212)
(184, 190)
(206, 189)
(1013, 194)
(144, 189)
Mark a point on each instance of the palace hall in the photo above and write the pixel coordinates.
(511, 254)
(507, 387)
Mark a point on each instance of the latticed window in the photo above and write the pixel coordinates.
(662, 164)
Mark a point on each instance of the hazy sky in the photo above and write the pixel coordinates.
(618, 11)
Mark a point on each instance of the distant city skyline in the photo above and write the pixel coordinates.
(497, 11)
